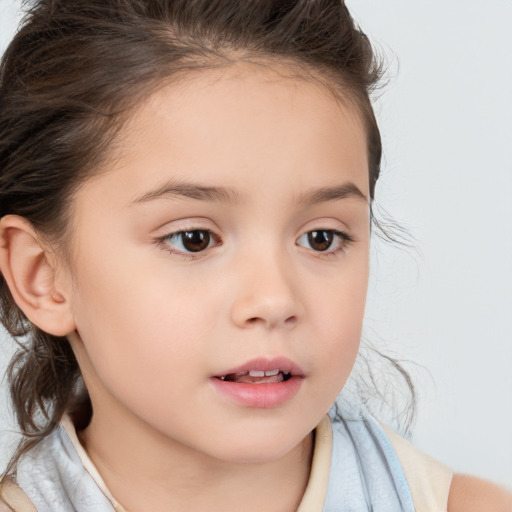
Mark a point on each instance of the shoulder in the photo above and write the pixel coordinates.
(470, 494)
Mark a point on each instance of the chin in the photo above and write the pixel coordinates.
(257, 449)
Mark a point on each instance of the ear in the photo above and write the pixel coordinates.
(30, 274)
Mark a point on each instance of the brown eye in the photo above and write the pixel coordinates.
(195, 241)
(320, 240)
(328, 241)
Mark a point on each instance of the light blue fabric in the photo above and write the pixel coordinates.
(366, 475)
(54, 478)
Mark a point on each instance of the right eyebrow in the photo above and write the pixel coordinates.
(189, 190)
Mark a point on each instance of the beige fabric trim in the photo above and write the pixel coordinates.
(316, 490)
(13, 499)
(428, 479)
(87, 462)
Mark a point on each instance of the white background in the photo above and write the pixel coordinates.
(446, 120)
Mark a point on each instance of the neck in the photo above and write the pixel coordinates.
(144, 470)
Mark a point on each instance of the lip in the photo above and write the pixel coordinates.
(261, 396)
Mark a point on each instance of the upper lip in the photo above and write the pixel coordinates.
(282, 364)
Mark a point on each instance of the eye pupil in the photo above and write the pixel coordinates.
(195, 241)
(320, 240)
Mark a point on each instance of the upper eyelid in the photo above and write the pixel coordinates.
(194, 224)
(207, 223)
(168, 234)
(342, 235)
(186, 228)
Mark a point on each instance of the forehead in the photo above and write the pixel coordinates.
(223, 126)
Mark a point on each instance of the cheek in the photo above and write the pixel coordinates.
(338, 312)
(142, 316)
(139, 353)
(340, 335)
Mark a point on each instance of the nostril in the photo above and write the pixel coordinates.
(291, 320)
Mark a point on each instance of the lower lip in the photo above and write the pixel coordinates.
(259, 396)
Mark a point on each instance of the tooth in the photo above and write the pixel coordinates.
(256, 373)
(271, 373)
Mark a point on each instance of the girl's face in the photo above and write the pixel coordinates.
(229, 235)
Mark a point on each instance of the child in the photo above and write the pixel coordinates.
(186, 192)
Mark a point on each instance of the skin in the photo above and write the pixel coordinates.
(470, 494)
(152, 327)
(151, 324)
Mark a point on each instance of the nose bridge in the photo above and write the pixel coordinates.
(266, 292)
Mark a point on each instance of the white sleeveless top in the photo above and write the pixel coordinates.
(358, 466)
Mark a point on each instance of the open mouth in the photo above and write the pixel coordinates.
(257, 377)
(262, 383)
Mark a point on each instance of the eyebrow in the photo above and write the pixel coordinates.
(191, 191)
(326, 194)
(228, 195)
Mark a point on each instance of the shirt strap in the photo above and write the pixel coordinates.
(316, 490)
(89, 466)
(429, 480)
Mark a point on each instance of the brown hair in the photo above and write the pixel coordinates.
(76, 66)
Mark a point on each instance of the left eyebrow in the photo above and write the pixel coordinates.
(325, 194)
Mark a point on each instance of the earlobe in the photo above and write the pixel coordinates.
(31, 277)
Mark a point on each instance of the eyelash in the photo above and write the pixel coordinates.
(344, 240)
(163, 242)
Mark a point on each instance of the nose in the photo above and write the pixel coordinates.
(266, 295)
